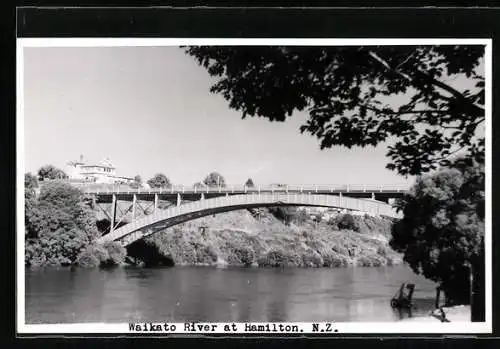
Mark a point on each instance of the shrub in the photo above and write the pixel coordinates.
(311, 258)
(100, 251)
(279, 258)
(116, 253)
(382, 250)
(315, 244)
(89, 258)
(340, 250)
(363, 261)
(301, 217)
(246, 256)
(333, 223)
(332, 260)
(346, 222)
(206, 255)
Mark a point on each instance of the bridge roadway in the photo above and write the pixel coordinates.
(104, 194)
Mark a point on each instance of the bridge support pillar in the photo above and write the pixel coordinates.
(113, 213)
(373, 196)
(202, 197)
(134, 204)
(156, 202)
(179, 199)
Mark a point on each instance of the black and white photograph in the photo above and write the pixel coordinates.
(254, 185)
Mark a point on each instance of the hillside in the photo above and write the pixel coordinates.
(239, 238)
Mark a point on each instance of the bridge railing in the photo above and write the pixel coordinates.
(369, 188)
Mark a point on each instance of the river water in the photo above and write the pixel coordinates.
(207, 294)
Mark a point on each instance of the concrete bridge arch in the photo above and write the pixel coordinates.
(162, 219)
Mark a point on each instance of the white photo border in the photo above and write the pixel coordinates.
(403, 327)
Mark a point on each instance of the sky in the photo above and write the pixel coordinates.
(149, 110)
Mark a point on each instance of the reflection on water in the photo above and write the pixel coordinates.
(210, 294)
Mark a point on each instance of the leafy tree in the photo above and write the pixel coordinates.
(362, 95)
(249, 183)
(301, 216)
(30, 186)
(61, 226)
(199, 185)
(214, 179)
(51, 172)
(30, 181)
(137, 183)
(346, 221)
(442, 231)
(159, 180)
(284, 213)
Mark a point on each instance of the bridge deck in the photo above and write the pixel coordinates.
(339, 189)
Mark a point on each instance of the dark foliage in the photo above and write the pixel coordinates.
(214, 179)
(59, 225)
(442, 232)
(149, 254)
(51, 172)
(347, 222)
(159, 180)
(249, 183)
(286, 214)
(349, 93)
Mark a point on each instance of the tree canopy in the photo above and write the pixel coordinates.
(214, 179)
(137, 183)
(249, 183)
(199, 185)
(60, 225)
(30, 182)
(51, 172)
(30, 186)
(442, 231)
(159, 180)
(362, 95)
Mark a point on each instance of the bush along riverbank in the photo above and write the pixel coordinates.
(239, 239)
(61, 229)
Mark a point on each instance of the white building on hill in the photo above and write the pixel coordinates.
(103, 172)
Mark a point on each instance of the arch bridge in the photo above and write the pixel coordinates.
(152, 210)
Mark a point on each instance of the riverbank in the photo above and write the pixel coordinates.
(458, 313)
(238, 238)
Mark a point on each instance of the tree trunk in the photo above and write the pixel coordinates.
(478, 307)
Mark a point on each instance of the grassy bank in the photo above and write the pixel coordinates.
(238, 238)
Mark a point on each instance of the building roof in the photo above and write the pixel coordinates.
(105, 163)
(75, 163)
(104, 166)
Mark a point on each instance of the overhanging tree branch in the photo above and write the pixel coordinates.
(457, 94)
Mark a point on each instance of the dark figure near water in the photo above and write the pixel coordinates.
(402, 298)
